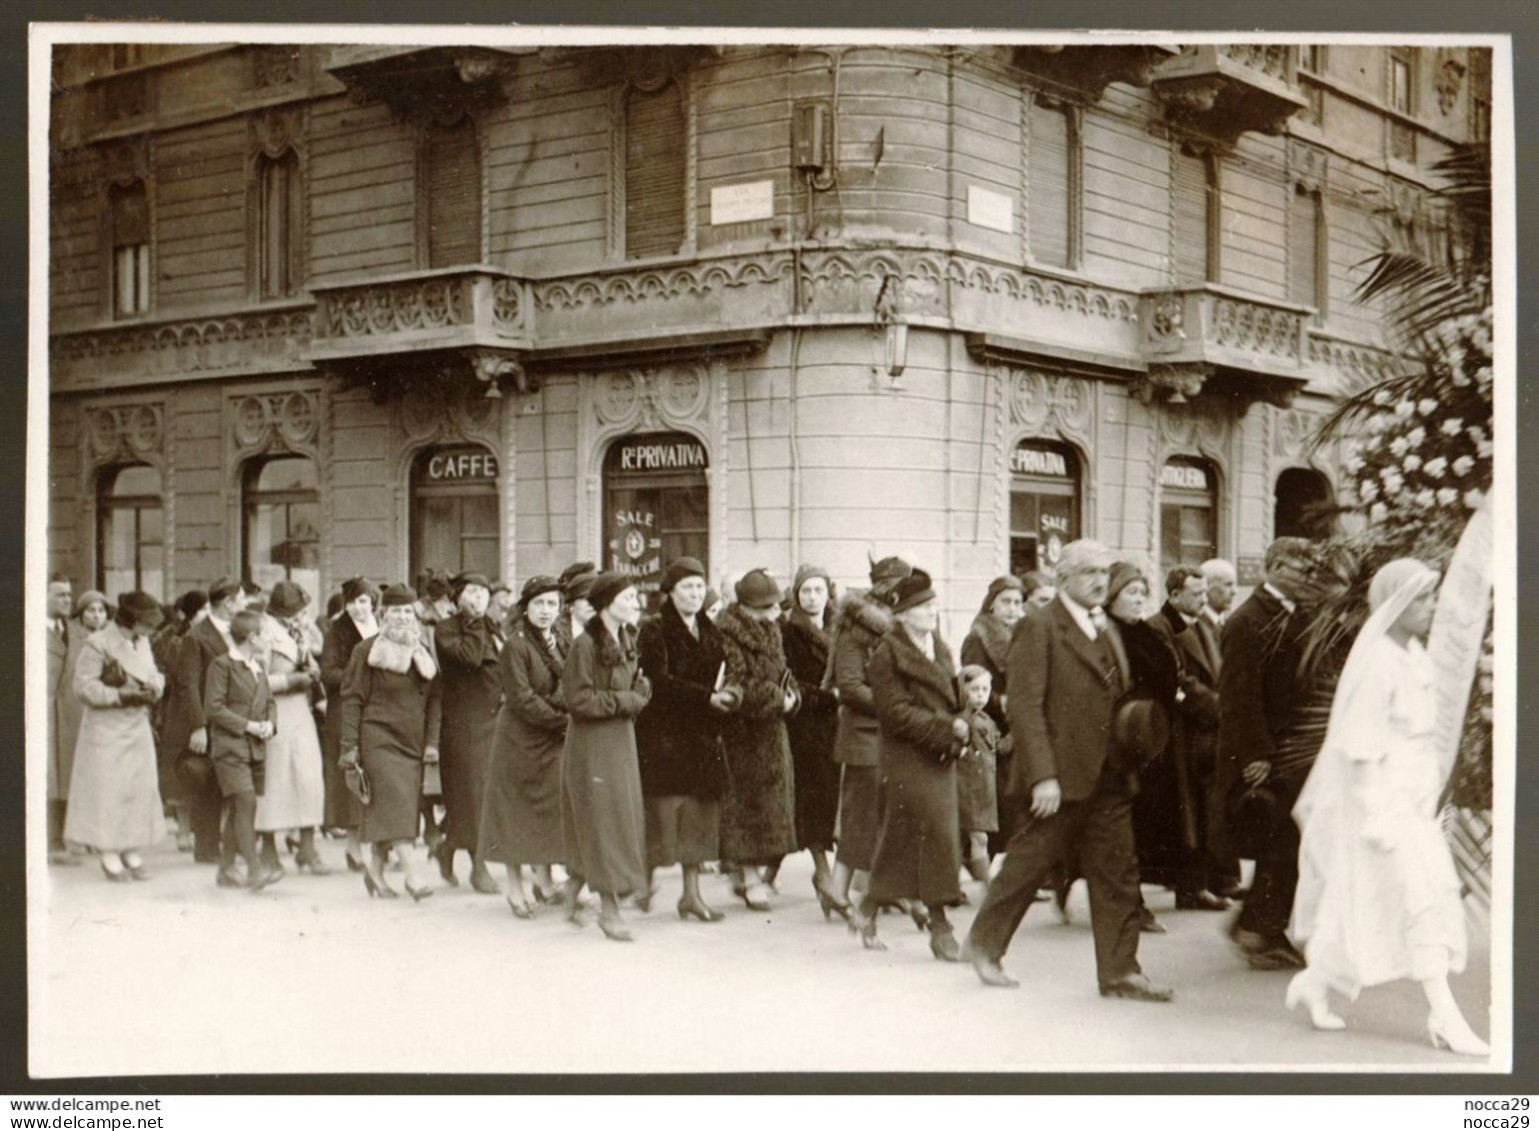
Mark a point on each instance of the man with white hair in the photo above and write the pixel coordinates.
(1221, 579)
(1065, 678)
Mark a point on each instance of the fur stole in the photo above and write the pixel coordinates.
(860, 611)
(611, 652)
(389, 656)
(994, 638)
(759, 638)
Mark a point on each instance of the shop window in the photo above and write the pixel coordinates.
(130, 526)
(281, 525)
(1052, 185)
(454, 511)
(1188, 513)
(1044, 504)
(656, 505)
(1308, 268)
(655, 167)
(450, 205)
(1304, 505)
(130, 218)
(279, 225)
(1197, 202)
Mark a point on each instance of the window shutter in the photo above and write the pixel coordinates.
(1048, 186)
(654, 172)
(453, 196)
(1304, 248)
(281, 215)
(1191, 188)
(130, 217)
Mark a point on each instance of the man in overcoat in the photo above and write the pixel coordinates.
(205, 641)
(64, 638)
(1260, 696)
(1065, 682)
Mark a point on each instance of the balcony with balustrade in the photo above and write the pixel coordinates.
(1223, 90)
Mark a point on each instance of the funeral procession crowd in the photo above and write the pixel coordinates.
(1079, 733)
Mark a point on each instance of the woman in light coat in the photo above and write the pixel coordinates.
(295, 794)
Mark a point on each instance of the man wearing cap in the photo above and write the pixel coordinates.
(1065, 681)
(1260, 697)
(469, 645)
(207, 639)
(64, 639)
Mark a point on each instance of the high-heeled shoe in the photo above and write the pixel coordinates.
(135, 868)
(554, 896)
(378, 887)
(1304, 991)
(698, 908)
(115, 877)
(865, 927)
(417, 894)
(920, 914)
(1455, 1035)
(353, 863)
(944, 945)
(574, 906)
(756, 897)
(615, 930)
(520, 908)
(311, 862)
(830, 904)
(445, 857)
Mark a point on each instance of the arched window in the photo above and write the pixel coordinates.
(281, 524)
(1304, 505)
(130, 531)
(1188, 512)
(656, 505)
(450, 205)
(655, 163)
(1044, 504)
(279, 226)
(129, 210)
(454, 507)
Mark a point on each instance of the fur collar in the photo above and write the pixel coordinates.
(939, 673)
(526, 631)
(389, 656)
(761, 636)
(611, 652)
(994, 638)
(859, 610)
(673, 626)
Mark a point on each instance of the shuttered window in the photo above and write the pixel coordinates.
(655, 163)
(1196, 198)
(1306, 235)
(130, 216)
(1050, 188)
(279, 217)
(453, 195)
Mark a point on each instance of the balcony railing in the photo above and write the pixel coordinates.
(1258, 348)
(1225, 90)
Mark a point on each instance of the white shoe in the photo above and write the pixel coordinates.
(1453, 1033)
(1304, 990)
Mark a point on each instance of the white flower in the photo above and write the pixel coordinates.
(1447, 496)
(1483, 449)
(1411, 462)
(1435, 467)
(1476, 432)
(1426, 406)
(1368, 491)
(1463, 465)
(1487, 663)
(1425, 497)
(1355, 464)
(1415, 437)
(1404, 408)
(1483, 375)
(1378, 512)
(1381, 398)
(1460, 377)
(1399, 445)
(1393, 484)
(1473, 498)
(1452, 426)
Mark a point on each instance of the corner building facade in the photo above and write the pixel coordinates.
(325, 311)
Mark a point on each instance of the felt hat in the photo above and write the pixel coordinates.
(89, 597)
(535, 586)
(1001, 584)
(1141, 730)
(915, 589)
(1122, 575)
(137, 607)
(578, 586)
(287, 600)
(678, 570)
(397, 595)
(192, 602)
(805, 574)
(223, 589)
(606, 587)
(576, 569)
(435, 585)
(757, 590)
(711, 598)
(463, 581)
(890, 569)
(355, 587)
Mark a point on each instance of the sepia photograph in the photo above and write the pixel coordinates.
(559, 550)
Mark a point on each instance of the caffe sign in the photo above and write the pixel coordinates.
(461, 465)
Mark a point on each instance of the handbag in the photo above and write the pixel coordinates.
(113, 674)
(357, 781)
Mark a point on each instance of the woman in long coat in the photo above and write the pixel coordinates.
(986, 644)
(65, 639)
(678, 736)
(863, 621)
(603, 818)
(391, 714)
(356, 623)
(114, 792)
(521, 814)
(294, 794)
(918, 854)
(469, 646)
(1378, 897)
(814, 727)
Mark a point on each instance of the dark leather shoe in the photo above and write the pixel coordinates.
(1138, 988)
(1200, 901)
(989, 971)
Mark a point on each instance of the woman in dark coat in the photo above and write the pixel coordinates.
(391, 715)
(521, 815)
(986, 645)
(758, 822)
(603, 820)
(863, 621)
(813, 729)
(344, 632)
(918, 854)
(678, 736)
(469, 644)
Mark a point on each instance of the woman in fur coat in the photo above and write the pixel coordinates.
(758, 822)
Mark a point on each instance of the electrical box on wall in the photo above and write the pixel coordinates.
(809, 137)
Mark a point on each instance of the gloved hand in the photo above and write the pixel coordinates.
(136, 696)
(300, 681)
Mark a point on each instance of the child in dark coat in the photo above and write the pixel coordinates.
(977, 791)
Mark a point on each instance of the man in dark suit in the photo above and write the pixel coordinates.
(1260, 696)
(206, 640)
(1194, 740)
(64, 639)
(1065, 680)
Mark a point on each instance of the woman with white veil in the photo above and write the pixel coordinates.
(1378, 897)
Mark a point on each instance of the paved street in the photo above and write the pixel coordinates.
(176, 975)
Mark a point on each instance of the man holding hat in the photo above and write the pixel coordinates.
(469, 645)
(1065, 681)
(206, 640)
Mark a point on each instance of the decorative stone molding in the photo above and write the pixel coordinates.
(430, 413)
(126, 161)
(275, 65)
(1449, 71)
(1225, 90)
(1358, 366)
(1293, 436)
(276, 130)
(1201, 428)
(1256, 328)
(1308, 165)
(125, 432)
(425, 84)
(275, 422)
(1173, 384)
(1088, 69)
(1043, 402)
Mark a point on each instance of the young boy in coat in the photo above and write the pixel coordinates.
(977, 793)
(242, 716)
